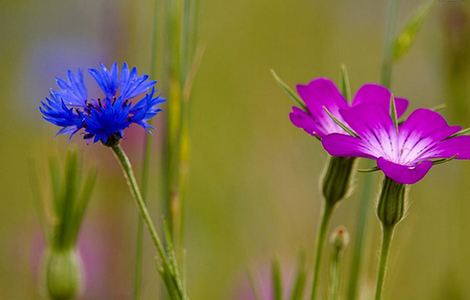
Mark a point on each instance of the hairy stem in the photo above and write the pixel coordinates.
(387, 234)
(144, 214)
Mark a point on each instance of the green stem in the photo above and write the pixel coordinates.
(321, 236)
(144, 214)
(387, 234)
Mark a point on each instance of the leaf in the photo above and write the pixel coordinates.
(403, 42)
(276, 279)
(54, 173)
(461, 132)
(81, 205)
(289, 91)
(370, 170)
(443, 160)
(254, 286)
(345, 84)
(393, 112)
(439, 107)
(340, 124)
(68, 198)
(38, 200)
(300, 279)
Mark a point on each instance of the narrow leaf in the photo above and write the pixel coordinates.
(461, 132)
(54, 174)
(443, 160)
(374, 169)
(68, 199)
(276, 279)
(345, 84)
(39, 204)
(254, 286)
(403, 42)
(81, 205)
(439, 107)
(289, 91)
(300, 279)
(340, 124)
(393, 112)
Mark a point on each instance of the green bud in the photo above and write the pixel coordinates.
(339, 238)
(392, 201)
(63, 274)
(337, 178)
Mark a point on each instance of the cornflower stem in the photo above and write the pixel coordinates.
(387, 234)
(141, 205)
(137, 289)
(320, 241)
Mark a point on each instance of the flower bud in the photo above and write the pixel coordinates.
(392, 201)
(63, 274)
(337, 178)
(339, 238)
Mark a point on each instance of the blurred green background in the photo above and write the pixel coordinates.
(253, 191)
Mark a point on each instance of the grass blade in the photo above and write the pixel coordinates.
(292, 95)
(345, 84)
(276, 279)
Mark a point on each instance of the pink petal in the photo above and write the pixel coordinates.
(421, 133)
(322, 93)
(404, 174)
(427, 123)
(342, 145)
(375, 127)
(303, 120)
(376, 94)
(458, 146)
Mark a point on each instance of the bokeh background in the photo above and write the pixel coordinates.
(253, 191)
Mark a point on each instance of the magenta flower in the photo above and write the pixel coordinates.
(404, 152)
(322, 93)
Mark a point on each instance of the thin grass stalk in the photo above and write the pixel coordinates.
(137, 288)
(320, 241)
(360, 241)
(387, 64)
(172, 138)
(367, 191)
(181, 38)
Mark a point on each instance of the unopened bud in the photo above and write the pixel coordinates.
(63, 274)
(392, 201)
(336, 183)
(339, 238)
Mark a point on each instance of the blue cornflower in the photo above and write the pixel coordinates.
(103, 118)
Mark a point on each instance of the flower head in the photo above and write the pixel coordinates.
(404, 152)
(103, 118)
(322, 93)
